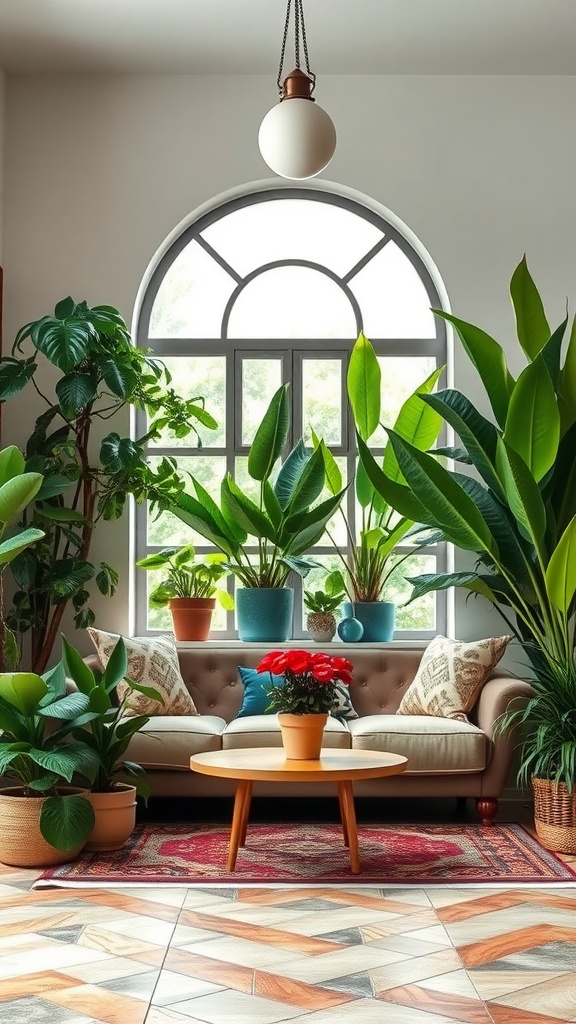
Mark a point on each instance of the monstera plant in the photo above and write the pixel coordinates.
(514, 508)
(100, 373)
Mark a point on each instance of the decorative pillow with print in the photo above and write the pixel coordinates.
(343, 709)
(152, 661)
(450, 676)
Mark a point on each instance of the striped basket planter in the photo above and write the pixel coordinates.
(555, 815)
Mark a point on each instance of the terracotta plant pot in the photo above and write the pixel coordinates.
(302, 735)
(115, 818)
(22, 844)
(191, 617)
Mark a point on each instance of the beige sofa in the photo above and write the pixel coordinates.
(446, 758)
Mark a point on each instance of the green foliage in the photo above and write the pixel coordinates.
(368, 565)
(105, 730)
(284, 522)
(517, 513)
(101, 372)
(184, 577)
(328, 599)
(37, 720)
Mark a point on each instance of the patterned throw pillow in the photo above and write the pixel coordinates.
(450, 676)
(343, 709)
(152, 661)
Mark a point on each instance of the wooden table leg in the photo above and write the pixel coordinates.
(346, 797)
(243, 789)
(246, 812)
(343, 816)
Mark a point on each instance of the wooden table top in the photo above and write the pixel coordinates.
(270, 764)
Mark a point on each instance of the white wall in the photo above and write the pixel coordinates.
(100, 170)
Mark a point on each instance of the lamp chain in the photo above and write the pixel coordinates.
(299, 30)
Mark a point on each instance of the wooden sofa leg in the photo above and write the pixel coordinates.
(487, 808)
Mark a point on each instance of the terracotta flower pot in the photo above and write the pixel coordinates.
(191, 617)
(22, 844)
(302, 735)
(115, 818)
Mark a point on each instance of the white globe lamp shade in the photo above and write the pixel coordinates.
(297, 138)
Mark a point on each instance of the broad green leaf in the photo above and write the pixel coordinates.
(397, 495)
(290, 473)
(511, 554)
(431, 582)
(298, 524)
(14, 376)
(478, 434)
(447, 501)
(417, 422)
(531, 324)
(533, 421)
(11, 548)
(53, 486)
(23, 689)
(66, 821)
(77, 668)
(184, 555)
(75, 391)
(240, 509)
(158, 560)
(271, 436)
(552, 352)
(64, 308)
(561, 570)
(64, 342)
(67, 708)
(363, 486)
(308, 483)
(118, 453)
(67, 575)
(60, 513)
(333, 476)
(272, 505)
(567, 384)
(490, 361)
(11, 463)
(194, 514)
(363, 384)
(523, 494)
(16, 493)
(237, 535)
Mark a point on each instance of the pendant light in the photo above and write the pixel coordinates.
(297, 138)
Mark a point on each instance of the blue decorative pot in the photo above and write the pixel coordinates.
(264, 614)
(377, 618)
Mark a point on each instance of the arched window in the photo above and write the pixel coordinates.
(275, 286)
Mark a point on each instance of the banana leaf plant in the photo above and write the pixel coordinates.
(517, 512)
(100, 373)
(370, 557)
(265, 540)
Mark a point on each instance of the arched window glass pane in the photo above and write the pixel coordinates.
(289, 229)
(191, 299)
(193, 377)
(261, 378)
(292, 302)
(394, 301)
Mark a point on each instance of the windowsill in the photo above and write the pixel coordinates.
(333, 645)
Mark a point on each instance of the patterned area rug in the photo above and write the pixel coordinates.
(283, 853)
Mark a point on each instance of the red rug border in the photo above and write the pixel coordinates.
(50, 878)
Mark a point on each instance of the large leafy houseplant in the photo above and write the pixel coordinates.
(371, 557)
(100, 373)
(517, 513)
(184, 575)
(265, 540)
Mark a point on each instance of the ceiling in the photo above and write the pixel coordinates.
(456, 37)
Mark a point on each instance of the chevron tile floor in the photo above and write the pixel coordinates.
(335, 955)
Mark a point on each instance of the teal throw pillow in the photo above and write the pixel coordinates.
(257, 686)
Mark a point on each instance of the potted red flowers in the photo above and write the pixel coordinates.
(305, 697)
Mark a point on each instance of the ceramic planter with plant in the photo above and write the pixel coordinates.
(371, 556)
(321, 605)
(188, 588)
(305, 697)
(106, 732)
(98, 372)
(41, 822)
(265, 538)
(517, 516)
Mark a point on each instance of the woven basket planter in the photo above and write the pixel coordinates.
(555, 815)
(22, 844)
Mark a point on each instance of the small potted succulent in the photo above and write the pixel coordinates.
(321, 605)
(188, 588)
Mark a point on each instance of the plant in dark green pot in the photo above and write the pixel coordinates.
(99, 374)
(517, 515)
(265, 538)
(188, 588)
(372, 556)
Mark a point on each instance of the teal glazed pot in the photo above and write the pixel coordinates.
(264, 614)
(350, 630)
(377, 618)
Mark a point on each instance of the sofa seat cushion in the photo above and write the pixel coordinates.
(432, 745)
(168, 741)
(264, 731)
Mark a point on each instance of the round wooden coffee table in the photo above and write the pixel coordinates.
(270, 764)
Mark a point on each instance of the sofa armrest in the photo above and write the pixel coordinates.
(495, 698)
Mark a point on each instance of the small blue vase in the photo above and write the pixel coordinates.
(350, 630)
(377, 618)
(264, 614)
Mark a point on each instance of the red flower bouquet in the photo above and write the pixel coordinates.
(309, 681)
